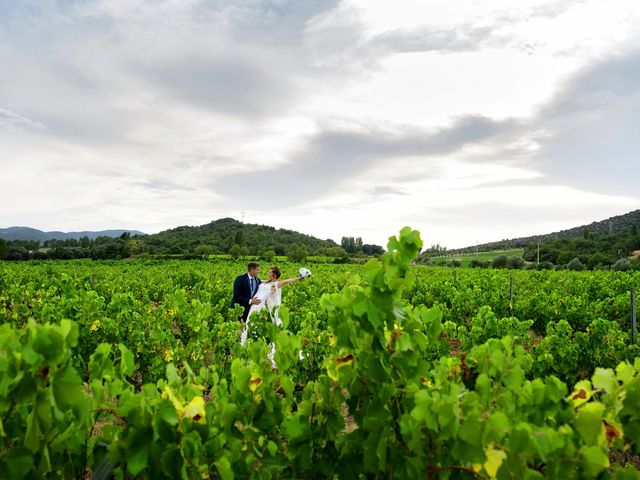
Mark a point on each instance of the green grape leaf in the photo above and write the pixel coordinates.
(17, 462)
(172, 463)
(500, 423)
(66, 387)
(224, 468)
(70, 331)
(421, 412)
(582, 393)
(295, 428)
(589, 424)
(32, 437)
(138, 444)
(272, 447)
(376, 416)
(595, 460)
(471, 430)
(127, 362)
(604, 379)
(625, 372)
(495, 458)
(137, 457)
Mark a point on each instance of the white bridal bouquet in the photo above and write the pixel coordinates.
(304, 273)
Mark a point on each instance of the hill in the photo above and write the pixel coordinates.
(221, 235)
(33, 234)
(613, 225)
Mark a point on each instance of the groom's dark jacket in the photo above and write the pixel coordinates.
(242, 293)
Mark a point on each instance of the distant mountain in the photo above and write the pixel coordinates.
(26, 233)
(222, 234)
(611, 225)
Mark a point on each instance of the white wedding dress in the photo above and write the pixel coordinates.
(270, 296)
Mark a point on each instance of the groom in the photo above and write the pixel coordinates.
(245, 287)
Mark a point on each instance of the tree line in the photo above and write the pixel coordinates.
(225, 236)
(591, 250)
(101, 248)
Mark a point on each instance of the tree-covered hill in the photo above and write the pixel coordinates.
(610, 226)
(611, 243)
(221, 236)
(224, 236)
(590, 250)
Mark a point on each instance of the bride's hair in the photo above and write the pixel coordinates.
(276, 271)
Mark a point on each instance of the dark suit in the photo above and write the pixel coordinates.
(242, 293)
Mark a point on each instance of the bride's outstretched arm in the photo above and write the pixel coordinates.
(287, 281)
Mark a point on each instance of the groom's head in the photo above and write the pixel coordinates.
(253, 268)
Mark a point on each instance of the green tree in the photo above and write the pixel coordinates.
(203, 250)
(235, 251)
(4, 248)
(239, 239)
(133, 247)
(622, 265)
(515, 263)
(348, 243)
(85, 242)
(565, 257)
(500, 262)
(297, 253)
(576, 265)
(268, 255)
(335, 252)
(546, 265)
(597, 259)
(477, 263)
(371, 249)
(16, 252)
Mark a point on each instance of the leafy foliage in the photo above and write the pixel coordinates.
(403, 373)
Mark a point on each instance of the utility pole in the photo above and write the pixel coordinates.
(538, 251)
(634, 328)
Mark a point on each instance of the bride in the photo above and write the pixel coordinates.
(269, 294)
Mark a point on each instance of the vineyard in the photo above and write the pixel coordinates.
(387, 370)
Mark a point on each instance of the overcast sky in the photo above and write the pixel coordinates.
(469, 120)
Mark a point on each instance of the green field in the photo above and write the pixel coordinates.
(488, 256)
(383, 371)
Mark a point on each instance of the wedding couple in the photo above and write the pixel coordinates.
(253, 294)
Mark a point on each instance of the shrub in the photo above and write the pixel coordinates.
(297, 253)
(515, 263)
(622, 265)
(475, 263)
(575, 265)
(268, 255)
(545, 266)
(500, 262)
(235, 251)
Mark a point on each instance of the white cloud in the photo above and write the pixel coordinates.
(470, 120)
